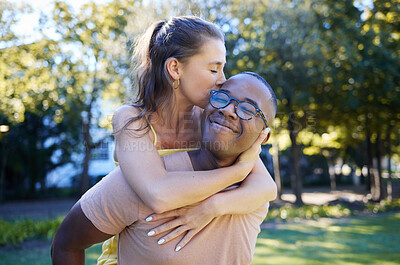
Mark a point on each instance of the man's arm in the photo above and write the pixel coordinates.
(103, 211)
(75, 234)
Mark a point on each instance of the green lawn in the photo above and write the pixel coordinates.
(362, 240)
(40, 255)
(357, 240)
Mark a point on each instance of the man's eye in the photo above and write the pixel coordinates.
(247, 110)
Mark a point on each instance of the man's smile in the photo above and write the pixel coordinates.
(222, 123)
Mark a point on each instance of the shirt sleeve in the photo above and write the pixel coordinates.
(111, 204)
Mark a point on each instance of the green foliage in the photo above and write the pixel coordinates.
(384, 206)
(52, 90)
(334, 66)
(308, 212)
(289, 212)
(361, 68)
(12, 233)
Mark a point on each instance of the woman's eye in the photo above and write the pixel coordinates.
(213, 71)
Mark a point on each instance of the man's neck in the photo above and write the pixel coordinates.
(203, 159)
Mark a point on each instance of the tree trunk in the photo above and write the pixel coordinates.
(378, 177)
(332, 175)
(31, 167)
(3, 170)
(85, 178)
(85, 181)
(277, 175)
(370, 178)
(389, 166)
(295, 177)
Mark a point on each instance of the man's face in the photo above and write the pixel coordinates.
(224, 133)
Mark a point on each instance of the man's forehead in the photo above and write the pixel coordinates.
(248, 88)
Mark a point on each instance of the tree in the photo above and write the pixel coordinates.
(362, 60)
(38, 139)
(265, 38)
(100, 67)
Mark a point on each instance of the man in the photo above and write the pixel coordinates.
(231, 123)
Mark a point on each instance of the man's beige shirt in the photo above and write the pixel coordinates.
(114, 208)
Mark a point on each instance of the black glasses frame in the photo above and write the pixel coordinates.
(238, 101)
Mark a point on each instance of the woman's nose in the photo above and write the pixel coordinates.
(221, 79)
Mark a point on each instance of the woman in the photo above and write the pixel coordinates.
(178, 63)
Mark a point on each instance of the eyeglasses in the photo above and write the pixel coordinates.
(244, 110)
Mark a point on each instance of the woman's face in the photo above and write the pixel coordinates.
(202, 73)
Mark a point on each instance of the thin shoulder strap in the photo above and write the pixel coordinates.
(152, 129)
(155, 135)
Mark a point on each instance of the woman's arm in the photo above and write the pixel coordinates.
(257, 189)
(162, 191)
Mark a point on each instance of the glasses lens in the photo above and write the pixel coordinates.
(219, 100)
(246, 110)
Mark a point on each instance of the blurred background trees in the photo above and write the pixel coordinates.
(334, 66)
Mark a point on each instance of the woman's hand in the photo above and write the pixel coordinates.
(249, 157)
(189, 220)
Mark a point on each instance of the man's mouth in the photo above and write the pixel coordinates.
(223, 124)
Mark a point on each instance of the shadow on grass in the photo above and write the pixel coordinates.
(363, 240)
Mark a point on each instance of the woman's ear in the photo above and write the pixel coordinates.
(173, 67)
(267, 137)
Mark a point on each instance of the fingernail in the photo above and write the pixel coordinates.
(148, 219)
(178, 248)
(151, 233)
(161, 241)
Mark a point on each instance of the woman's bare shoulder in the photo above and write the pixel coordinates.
(124, 115)
(126, 111)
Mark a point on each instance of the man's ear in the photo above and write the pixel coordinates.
(173, 67)
(267, 137)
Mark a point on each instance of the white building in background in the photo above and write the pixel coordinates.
(101, 163)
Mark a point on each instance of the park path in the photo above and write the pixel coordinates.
(43, 209)
(321, 196)
(53, 208)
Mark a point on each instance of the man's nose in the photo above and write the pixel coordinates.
(221, 80)
(229, 110)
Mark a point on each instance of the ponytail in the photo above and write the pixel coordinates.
(181, 38)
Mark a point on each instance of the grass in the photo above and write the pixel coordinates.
(354, 240)
(361, 240)
(40, 255)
